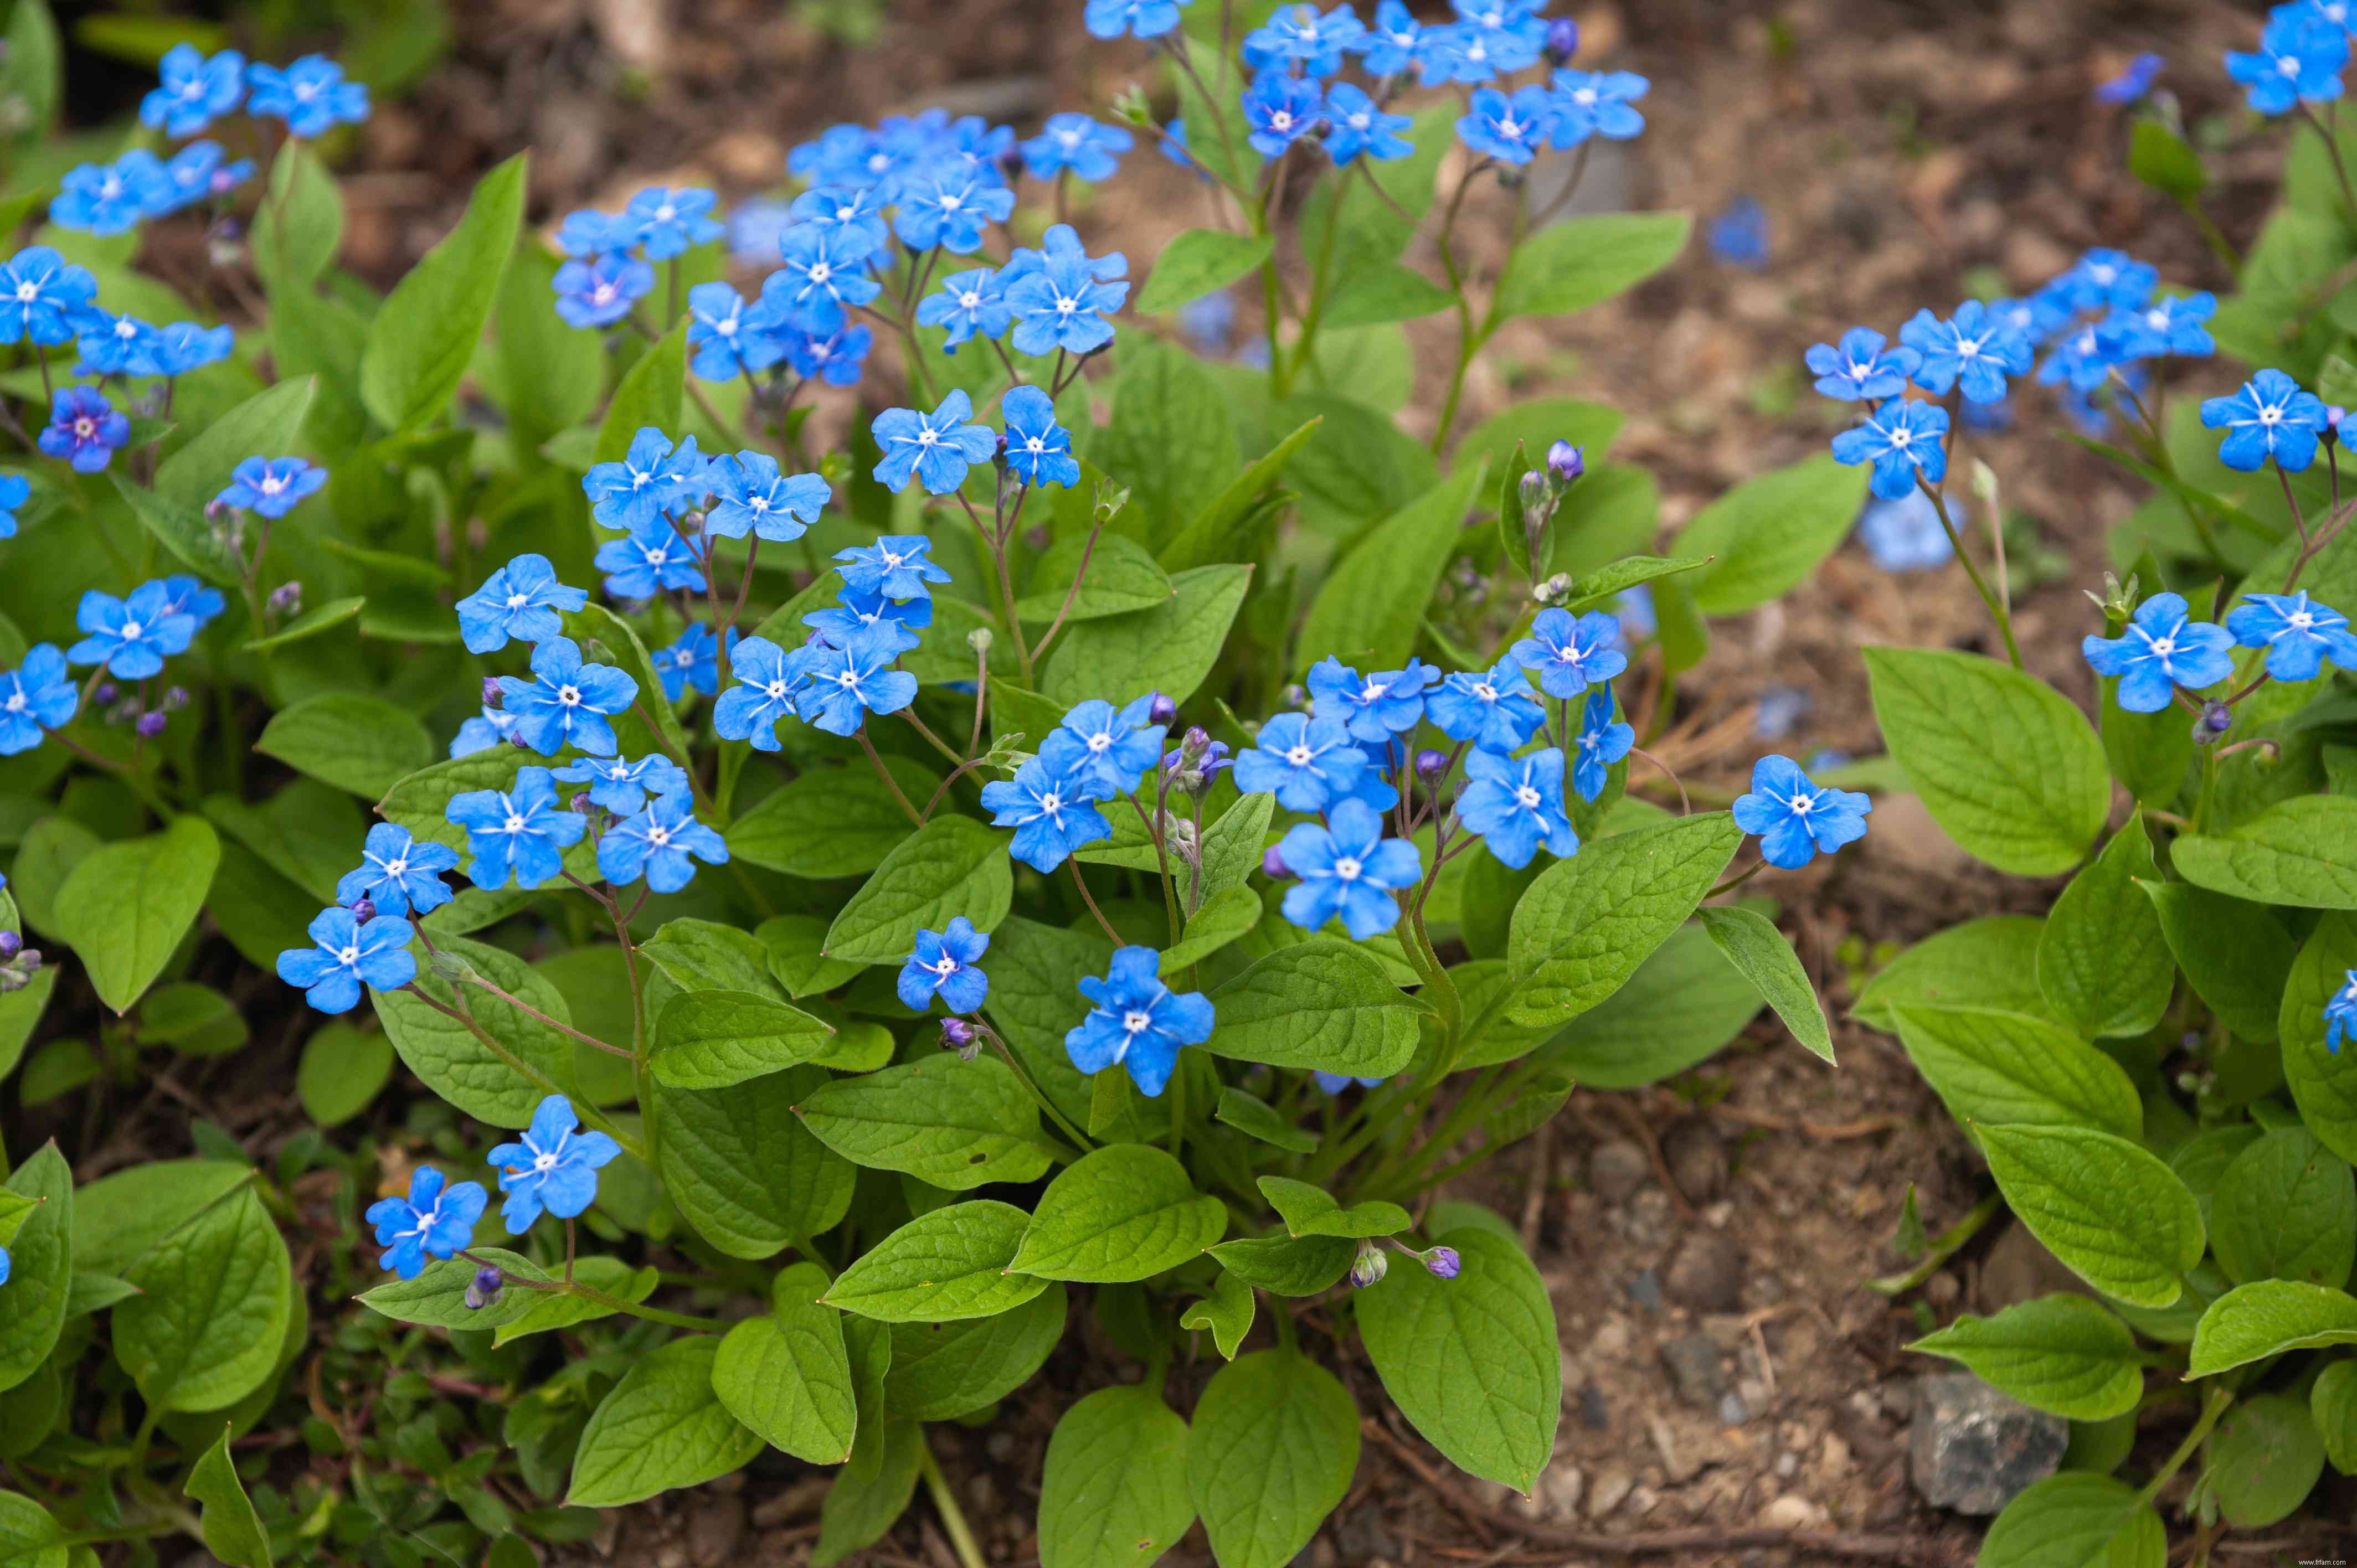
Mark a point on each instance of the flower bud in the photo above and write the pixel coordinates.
(484, 1288)
(979, 640)
(448, 965)
(1272, 866)
(1193, 745)
(151, 724)
(1295, 696)
(175, 698)
(1431, 764)
(104, 692)
(1162, 710)
(2333, 415)
(2215, 720)
(1561, 40)
(1566, 462)
(492, 692)
(1534, 490)
(285, 598)
(1369, 1266)
(363, 909)
(963, 1037)
(582, 803)
(1444, 1262)
(11, 944)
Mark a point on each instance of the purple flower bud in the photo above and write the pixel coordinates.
(175, 698)
(484, 1288)
(492, 692)
(518, 741)
(1272, 866)
(1566, 462)
(1161, 711)
(1561, 40)
(2216, 719)
(215, 512)
(285, 598)
(104, 693)
(363, 909)
(11, 944)
(1443, 1262)
(1431, 764)
(956, 1034)
(1369, 1266)
(1533, 491)
(1195, 742)
(581, 803)
(151, 724)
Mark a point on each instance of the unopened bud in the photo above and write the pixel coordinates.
(363, 909)
(582, 803)
(1369, 1266)
(151, 724)
(1561, 40)
(1130, 103)
(1444, 1262)
(11, 944)
(1162, 710)
(979, 640)
(2215, 720)
(175, 698)
(963, 1037)
(448, 965)
(1272, 866)
(104, 692)
(484, 1288)
(1193, 743)
(1566, 462)
(285, 598)
(492, 691)
(1431, 764)
(1534, 490)
(1110, 502)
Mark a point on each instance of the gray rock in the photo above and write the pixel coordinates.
(1594, 1415)
(1617, 1169)
(1697, 1160)
(1645, 1289)
(1975, 1449)
(1732, 1411)
(1706, 1273)
(1691, 1362)
(1612, 1485)
(1676, 1465)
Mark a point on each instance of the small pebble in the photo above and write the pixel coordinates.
(1617, 1169)
(1612, 1488)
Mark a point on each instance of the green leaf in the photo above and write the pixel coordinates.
(662, 1428)
(704, 955)
(29, 1538)
(2235, 955)
(2006, 767)
(2104, 962)
(269, 423)
(459, 1066)
(2148, 753)
(183, 530)
(1361, 467)
(742, 1167)
(2063, 1354)
(940, 1371)
(425, 335)
(1683, 1002)
(1588, 922)
(1224, 918)
(1227, 1312)
(1213, 535)
(1195, 263)
(1370, 610)
(2112, 1212)
(1609, 581)
(545, 1312)
(2007, 1068)
(1288, 1265)
(1274, 1444)
(2261, 1460)
(1232, 845)
(298, 230)
(41, 1264)
(2332, 1405)
(437, 1297)
(787, 1375)
(595, 621)
(2076, 1520)
(1127, 1211)
(866, 1501)
(712, 1040)
(20, 1014)
(795, 944)
(1170, 650)
(1471, 1361)
(2285, 1209)
(349, 739)
(309, 624)
(232, 1530)
(1768, 534)
(215, 1295)
(1121, 579)
(956, 1262)
(2160, 158)
(1579, 261)
(126, 906)
(341, 1072)
(2296, 851)
(1370, 295)
(118, 1218)
(1321, 1006)
(1115, 1487)
(1172, 440)
(952, 865)
(2325, 1092)
(652, 395)
(2269, 1317)
(550, 373)
(1759, 952)
(1256, 1118)
(1311, 1210)
(955, 1124)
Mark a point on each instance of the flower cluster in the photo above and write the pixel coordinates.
(610, 256)
(670, 502)
(551, 1168)
(48, 302)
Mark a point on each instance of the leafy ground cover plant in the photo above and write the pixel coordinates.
(2153, 1069)
(1115, 833)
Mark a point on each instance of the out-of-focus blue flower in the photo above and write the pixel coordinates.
(1796, 820)
(1986, 418)
(944, 964)
(1088, 149)
(2334, 13)
(825, 272)
(1307, 763)
(650, 559)
(1861, 369)
(854, 210)
(653, 478)
(836, 358)
(2341, 1012)
(311, 95)
(519, 601)
(2271, 417)
(1515, 805)
(35, 697)
(398, 873)
(2297, 633)
(1777, 710)
(1141, 18)
(1393, 43)
(271, 485)
(197, 172)
(114, 346)
(43, 298)
(935, 449)
(1905, 535)
(1137, 1021)
(2171, 325)
(1103, 746)
(1039, 450)
(195, 90)
(1281, 108)
(1296, 37)
(853, 612)
(179, 347)
(896, 565)
(488, 730)
(969, 304)
(622, 788)
(770, 679)
(600, 291)
(567, 701)
(1570, 654)
(2298, 62)
(1372, 707)
(589, 234)
(1052, 811)
(520, 831)
(1348, 868)
(1492, 709)
(1061, 295)
(755, 227)
(671, 221)
(112, 198)
(185, 595)
(2036, 316)
(1634, 609)
(1357, 126)
(951, 207)
(430, 1223)
(2161, 648)
(2083, 359)
(656, 841)
(2106, 280)
(552, 1167)
(1901, 439)
(2132, 83)
(724, 343)
(1510, 129)
(1738, 235)
(1596, 103)
(132, 636)
(1603, 741)
(344, 955)
(847, 684)
(1333, 1083)
(1971, 347)
(748, 493)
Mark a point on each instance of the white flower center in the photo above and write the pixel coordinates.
(1527, 796)
(348, 957)
(131, 630)
(2288, 65)
(1100, 741)
(85, 427)
(1347, 869)
(28, 292)
(1486, 691)
(666, 212)
(569, 695)
(518, 601)
(659, 837)
(820, 271)
(1300, 756)
(970, 300)
(543, 1163)
(775, 689)
(1585, 97)
(1136, 1023)
(1280, 121)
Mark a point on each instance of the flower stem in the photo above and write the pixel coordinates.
(885, 773)
(937, 1486)
(1980, 584)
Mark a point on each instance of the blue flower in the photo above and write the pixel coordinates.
(1570, 654)
(1332, 1083)
(398, 873)
(132, 637)
(1596, 103)
(1903, 436)
(622, 788)
(1088, 149)
(836, 358)
(2171, 325)
(1061, 295)
(944, 965)
(2132, 83)
(35, 697)
(1971, 346)
(853, 208)
(849, 682)
(519, 600)
(588, 234)
(116, 346)
(771, 679)
(43, 298)
(344, 954)
(1174, 149)
(1738, 235)
(553, 1165)
(951, 207)
(2336, 13)
(1348, 868)
(1107, 747)
(600, 291)
(1372, 707)
(670, 221)
(1509, 129)
(656, 841)
(490, 728)
(112, 198)
(1051, 812)
(934, 448)
(2162, 647)
(969, 305)
(1039, 450)
(83, 428)
(1634, 610)
(651, 479)
(2105, 280)
(897, 565)
(567, 701)
(1603, 741)
(195, 91)
(429, 1222)
(2083, 359)
(1794, 819)
(2036, 316)
(523, 829)
(1357, 126)
(825, 269)
(2297, 633)
(198, 173)
(5, 1265)
(1457, 53)
(1307, 763)
(2341, 1013)
(853, 612)
(1296, 36)
(2298, 62)
(1396, 42)
(1137, 1021)
(724, 343)
(1512, 29)
(1515, 805)
(2270, 417)
(749, 494)
(1494, 710)
(1861, 370)
(651, 559)
(271, 485)
(1141, 18)
(1375, 789)
(181, 346)
(184, 595)
(311, 95)
(1905, 535)
(1281, 108)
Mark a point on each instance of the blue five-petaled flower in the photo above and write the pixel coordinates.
(1103, 746)
(1861, 367)
(518, 601)
(1137, 1021)
(1570, 654)
(398, 874)
(935, 449)
(1795, 818)
(2341, 1013)
(1348, 868)
(2297, 633)
(656, 841)
(35, 697)
(1603, 741)
(552, 1167)
(1902, 439)
(2161, 648)
(1307, 763)
(566, 702)
(346, 954)
(1515, 805)
(520, 831)
(433, 1221)
(944, 964)
(1052, 811)
(1493, 709)
(846, 685)
(132, 637)
(271, 485)
(2271, 416)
